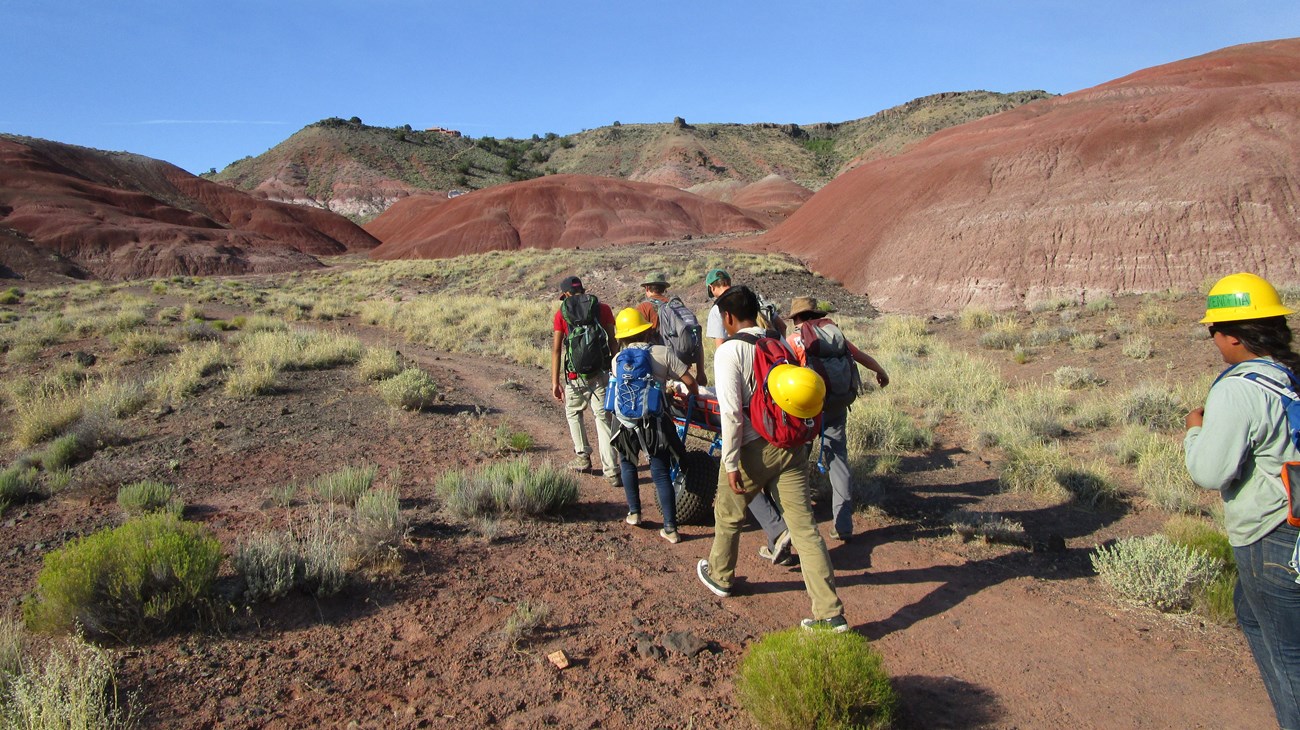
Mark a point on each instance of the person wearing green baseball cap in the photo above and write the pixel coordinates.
(1243, 443)
(718, 282)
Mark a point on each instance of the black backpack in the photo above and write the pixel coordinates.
(586, 348)
(827, 351)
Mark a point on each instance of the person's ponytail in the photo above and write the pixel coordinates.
(1269, 336)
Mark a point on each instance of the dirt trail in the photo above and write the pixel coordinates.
(1014, 640)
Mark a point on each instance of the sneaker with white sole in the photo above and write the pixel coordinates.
(789, 560)
(633, 518)
(670, 535)
(781, 549)
(702, 570)
(837, 624)
(581, 462)
(614, 480)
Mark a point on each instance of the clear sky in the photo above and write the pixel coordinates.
(204, 83)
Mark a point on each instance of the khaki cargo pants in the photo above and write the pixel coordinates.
(784, 473)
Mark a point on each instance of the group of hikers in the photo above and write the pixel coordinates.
(776, 385)
(779, 385)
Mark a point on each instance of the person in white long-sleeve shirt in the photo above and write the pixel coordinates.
(750, 464)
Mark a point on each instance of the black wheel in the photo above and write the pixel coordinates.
(695, 485)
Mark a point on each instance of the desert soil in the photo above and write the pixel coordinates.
(974, 635)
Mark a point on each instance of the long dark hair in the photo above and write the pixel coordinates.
(1269, 336)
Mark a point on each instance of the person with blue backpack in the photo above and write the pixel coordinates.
(1245, 443)
(636, 399)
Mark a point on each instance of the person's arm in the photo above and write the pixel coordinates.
(729, 380)
(779, 324)
(870, 363)
(557, 354)
(701, 377)
(1215, 449)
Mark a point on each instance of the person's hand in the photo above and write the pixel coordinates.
(735, 481)
(557, 390)
(882, 377)
(1195, 418)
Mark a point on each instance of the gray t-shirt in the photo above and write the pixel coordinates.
(713, 327)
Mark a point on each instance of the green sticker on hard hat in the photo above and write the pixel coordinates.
(1225, 301)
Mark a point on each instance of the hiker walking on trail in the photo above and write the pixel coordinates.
(718, 282)
(673, 324)
(751, 463)
(636, 399)
(580, 357)
(819, 343)
(1245, 443)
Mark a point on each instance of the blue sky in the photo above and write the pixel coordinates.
(201, 84)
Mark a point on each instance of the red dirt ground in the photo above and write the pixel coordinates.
(974, 636)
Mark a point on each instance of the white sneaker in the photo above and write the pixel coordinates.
(633, 518)
(670, 536)
(781, 550)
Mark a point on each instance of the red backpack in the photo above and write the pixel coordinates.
(777, 427)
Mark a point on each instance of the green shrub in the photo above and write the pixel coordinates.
(1192, 533)
(1139, 347)
(141, 497)
(973, 318)
(346, 485)
(1155, 315)
(138, 577)
(516, 487)
(1100, 304)
(412, 389)
(1051, 336)
(63, 452)
(797, 680)
(1154, 571)
(73, 688)
(1085, 341)
(9, 296)
(18, 483)
(1152, 405)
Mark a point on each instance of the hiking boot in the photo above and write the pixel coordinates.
(781, 549)
(845, 537)
(633, 518)
(581, 462)
(614, 480)
(702, 570)
(838, 624)
(670, 535)
(789, 560)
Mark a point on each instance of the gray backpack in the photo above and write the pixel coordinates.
(679, 329)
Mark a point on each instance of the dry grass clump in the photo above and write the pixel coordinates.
(525, 620)
(184, 376)
(346, 485)
(1053, 304)
(1162, 474)
(990, 528)
(251, 379)
(301, 350)
(515, 487)
(975, 318)
(1044, 336)
(137, 344)
(1005, 334)
(73, 687)
(1139, 347)
(1072, 378)
(379, 363)
(1154, 314)
(1021, 416)
(1152, 405)
(19, 483)
(378, 526)
(1100, 304)
(1156, 572)
(146, 496)
(796, 679)
(1085, 341)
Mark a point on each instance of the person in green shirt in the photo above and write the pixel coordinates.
(1237, 444)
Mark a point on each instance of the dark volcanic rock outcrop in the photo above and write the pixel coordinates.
(120, 215)
(1164, 178)
(557, 211)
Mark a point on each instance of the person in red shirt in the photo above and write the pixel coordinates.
(579, 391)
(834, 419)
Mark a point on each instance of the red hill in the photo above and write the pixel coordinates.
(125, 216)
(1164, 178)
(557, 211)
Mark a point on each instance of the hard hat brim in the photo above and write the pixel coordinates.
(624, 334)
(1241, 314)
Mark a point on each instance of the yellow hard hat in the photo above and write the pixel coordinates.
(629, 322)
(1242, 296)
(798, 391)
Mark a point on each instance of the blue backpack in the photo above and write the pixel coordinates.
(634, 394)
(1285, 388)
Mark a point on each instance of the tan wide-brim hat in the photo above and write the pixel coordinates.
(803, 305)
(655, 278)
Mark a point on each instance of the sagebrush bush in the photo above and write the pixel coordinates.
(1154, 571)
(138, 577)
(797, 680)
(1085, 341)
(1032, 468)
(1005, 334)
(987, 527)
(1214, 600)
(1152, 405)
(1051, 335)
(412, 390)
(345, 485)
(1100, 304)
(1072, 378)
(516, 487)
(63, 452)
(270, 565)
(18, 483)
(145, 496)
(1139, 347)
(74, 687)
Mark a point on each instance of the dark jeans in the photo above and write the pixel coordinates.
(1267, 600)
(659, 472)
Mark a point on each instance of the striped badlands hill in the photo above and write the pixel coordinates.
(557, 211)
(124, 216)
(1164, 178)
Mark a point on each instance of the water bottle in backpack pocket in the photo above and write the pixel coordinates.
(634, 394)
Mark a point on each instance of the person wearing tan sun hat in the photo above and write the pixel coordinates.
(819, 343)
(1242, 443)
